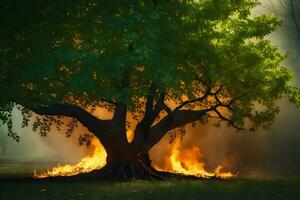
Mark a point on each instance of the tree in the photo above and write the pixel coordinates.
(165, 63)
(2, 143)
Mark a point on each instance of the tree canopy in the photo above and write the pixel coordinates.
(188, 55)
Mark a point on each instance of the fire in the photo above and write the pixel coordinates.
(187, 162)
(91, 162)
(130, 135)
(181, 161)
(87, 164)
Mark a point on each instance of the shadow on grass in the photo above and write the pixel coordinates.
(65, 188)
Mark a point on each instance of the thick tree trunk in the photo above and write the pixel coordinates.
(124, 160)
(128, 166)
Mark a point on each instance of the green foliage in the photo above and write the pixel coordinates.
(79, 51)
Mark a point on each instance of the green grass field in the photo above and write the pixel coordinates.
(30, 189)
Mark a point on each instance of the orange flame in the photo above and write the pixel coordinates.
(181, 161)
(91, 162)
(130, 135)
(87, 164)
(187, 162)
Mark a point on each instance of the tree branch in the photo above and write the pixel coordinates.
(108, 101)
(142, 129)
(120, 114)
(192, 101)
(242, 95)
(220, 116)
(150, 101)
(177, 119)
(88, 120)
(151, 113)
(182, 117)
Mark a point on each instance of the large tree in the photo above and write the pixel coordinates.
(163, 63)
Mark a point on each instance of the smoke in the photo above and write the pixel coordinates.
(32, 147)
(273, 152)
(54, 148)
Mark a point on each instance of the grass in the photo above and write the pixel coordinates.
(15, 168)
(19, 188)
(31, 189)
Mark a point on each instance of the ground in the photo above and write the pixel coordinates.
(30, 189)
(15, 185)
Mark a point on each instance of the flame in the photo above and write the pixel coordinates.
(96, 160)
(184, 161)
(187, 162)
(91, 162)
(130, 135)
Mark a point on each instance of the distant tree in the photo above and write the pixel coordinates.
(2, 144)
(167, 63)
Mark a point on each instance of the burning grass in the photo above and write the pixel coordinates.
(93, 161)
(189, 162)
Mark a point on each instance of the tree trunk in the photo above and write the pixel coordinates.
(3, 145)
(128, 166)
(124, 160)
